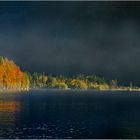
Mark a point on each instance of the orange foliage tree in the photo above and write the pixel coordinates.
(11, 77)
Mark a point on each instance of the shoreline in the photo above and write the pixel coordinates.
(60, 89)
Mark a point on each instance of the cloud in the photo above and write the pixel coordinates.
(68, 39)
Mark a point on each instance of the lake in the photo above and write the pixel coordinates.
(70, 114)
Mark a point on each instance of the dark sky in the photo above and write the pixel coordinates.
(100, 38)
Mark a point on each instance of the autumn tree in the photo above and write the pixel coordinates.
(11, 77)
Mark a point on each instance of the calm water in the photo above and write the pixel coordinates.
(70, 114)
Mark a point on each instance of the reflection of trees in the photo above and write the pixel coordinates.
(8, 112)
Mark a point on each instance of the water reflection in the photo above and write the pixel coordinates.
(69, 115)
(8, 112)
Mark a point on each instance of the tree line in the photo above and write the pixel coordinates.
(11, 77)
(80, 81)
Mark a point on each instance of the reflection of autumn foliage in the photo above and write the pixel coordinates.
(9, 109)
(11, 77)
(9, 106)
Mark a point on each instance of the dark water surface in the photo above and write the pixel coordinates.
(70, 114)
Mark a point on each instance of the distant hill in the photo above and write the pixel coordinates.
(11, 77)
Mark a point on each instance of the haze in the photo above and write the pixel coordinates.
(73, 37)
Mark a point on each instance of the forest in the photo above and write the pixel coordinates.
(11, 77)
(80, 81)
